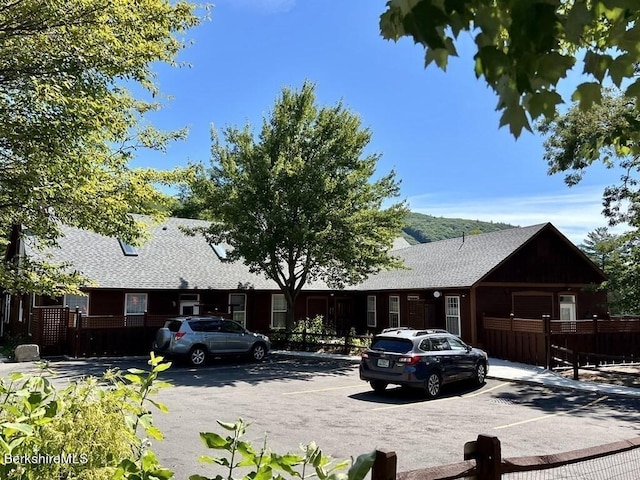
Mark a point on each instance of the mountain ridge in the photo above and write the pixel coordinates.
(423, 228)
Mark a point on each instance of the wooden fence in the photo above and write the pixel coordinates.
(63, 331)
(483, 461)
(528, 340)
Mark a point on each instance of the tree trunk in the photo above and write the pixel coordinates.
(291, 309)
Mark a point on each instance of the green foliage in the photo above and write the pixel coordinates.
(426, 228)
(89, 427)
(524, 48)
(607, 133)
(10, 342)
(297, 204)
(618, 256)
(263, 464)
(69, 127)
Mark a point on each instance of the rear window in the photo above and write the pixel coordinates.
(173, 325)
(395, 345)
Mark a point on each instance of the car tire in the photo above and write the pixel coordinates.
(258, 352)
(197, 356)
(432, 385)
(378, 386)
(480, 373)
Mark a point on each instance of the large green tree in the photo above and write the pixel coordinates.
(525, 47)
(69, 125)
(298, 202)
(619, 257)
(608, 133)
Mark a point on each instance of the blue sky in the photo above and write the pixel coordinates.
(438, 130)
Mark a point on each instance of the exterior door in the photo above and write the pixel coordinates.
(344, 308)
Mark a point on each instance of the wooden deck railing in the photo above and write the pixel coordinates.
(529, 340)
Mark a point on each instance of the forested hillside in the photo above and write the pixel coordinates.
(423, 228)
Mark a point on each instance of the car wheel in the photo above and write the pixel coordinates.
(433, 384)
(378, 386)
(197, 356)
(258, 351)
(480, 373)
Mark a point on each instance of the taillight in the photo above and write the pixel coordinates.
(409, 360)
(179, 335)
(365, 355)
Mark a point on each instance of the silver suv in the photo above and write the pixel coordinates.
(196, 338)
(424, 359)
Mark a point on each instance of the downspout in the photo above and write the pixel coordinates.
(474, 319)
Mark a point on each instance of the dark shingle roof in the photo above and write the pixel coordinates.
(457, 262)
(173, 260)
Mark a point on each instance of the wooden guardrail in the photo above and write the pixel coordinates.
(483, 461)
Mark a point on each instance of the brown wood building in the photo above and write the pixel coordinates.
(452, 284)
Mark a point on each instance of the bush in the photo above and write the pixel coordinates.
(84, 431)
(10, 342)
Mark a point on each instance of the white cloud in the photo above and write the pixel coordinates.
(575, 212)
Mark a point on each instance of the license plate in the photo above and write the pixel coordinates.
(383, 362)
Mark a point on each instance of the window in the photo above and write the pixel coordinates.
(371, 311)
(457, 345)
(135, 303)
(238, 307)
(80, 301)
(232, 327)
(278, 311)
(567, 307)
(452, 314)
(128, 250)
(189, 304)
(220, 251)
(439, 344)
(394, 311)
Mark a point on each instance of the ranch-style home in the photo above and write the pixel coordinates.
(524, 272)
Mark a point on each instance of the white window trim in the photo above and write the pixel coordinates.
(374, 311)
(456, 317)
(190, 300)
(146, 303)
(392, 312)
(72, 308)
(273, 310)
(573, 306)
(242, 322)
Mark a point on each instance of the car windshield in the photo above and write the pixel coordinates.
(395, 345)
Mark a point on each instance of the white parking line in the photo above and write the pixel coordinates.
(300, 392)
(549, 415)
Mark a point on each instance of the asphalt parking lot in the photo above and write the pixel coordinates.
(298, 400)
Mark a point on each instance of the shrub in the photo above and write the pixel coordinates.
(81, 432)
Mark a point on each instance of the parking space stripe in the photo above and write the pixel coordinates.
(549, 415)
(481, 392)
(404, 405)
(300, 392)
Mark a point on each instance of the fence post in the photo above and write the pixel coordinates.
(546, 320)
(346, 343)
(595, 338)
(78, 332)
(488, 457)
(384, 466)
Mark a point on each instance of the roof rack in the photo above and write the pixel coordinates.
(417, 332)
